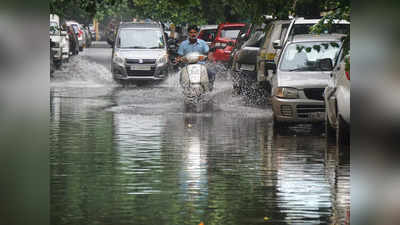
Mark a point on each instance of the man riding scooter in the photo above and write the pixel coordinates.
(193, 44)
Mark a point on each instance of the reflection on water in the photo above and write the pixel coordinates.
(116, 159)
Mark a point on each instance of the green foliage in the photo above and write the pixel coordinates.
(196, 11)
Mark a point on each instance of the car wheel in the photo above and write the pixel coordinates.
(342, 133)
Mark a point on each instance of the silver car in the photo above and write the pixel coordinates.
(140, 52)
(299, 80)
(337, 101)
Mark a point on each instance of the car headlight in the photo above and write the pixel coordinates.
(163, 60)
(119, 60)
(286, 92)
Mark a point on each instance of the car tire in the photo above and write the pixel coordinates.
(342, 133)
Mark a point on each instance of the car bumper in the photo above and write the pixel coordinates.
(157, 73)
(298, 110)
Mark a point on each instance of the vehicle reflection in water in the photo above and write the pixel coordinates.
(139, 166)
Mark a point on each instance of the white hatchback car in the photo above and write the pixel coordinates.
(337, 101)
(300, 78)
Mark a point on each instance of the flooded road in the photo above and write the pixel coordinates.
(131, 155)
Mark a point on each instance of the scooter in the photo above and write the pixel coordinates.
(195, 83)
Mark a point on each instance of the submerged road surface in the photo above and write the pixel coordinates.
(132, 155)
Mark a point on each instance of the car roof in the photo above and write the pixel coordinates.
(314, 21)
(317, 37)
(208, 27)
(139, 25)
(232, 24)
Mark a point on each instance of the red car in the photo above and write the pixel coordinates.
(224, 41)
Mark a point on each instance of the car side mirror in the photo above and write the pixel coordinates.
(276, 44)
(325, 64)
(243, 36)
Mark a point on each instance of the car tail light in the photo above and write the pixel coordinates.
(80, 33)
(348, 75)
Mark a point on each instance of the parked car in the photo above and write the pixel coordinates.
(337, 101)
(244, 64)
(299, 80)
(243, 36)
(268, 53)
(57, 35)
(79, 33)
(299, 26)
(224, 41)
(207, 33)
(140, 52)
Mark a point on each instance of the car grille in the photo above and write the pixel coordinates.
(314, 93)
(145, 61)
(286, 110)
(304, 110)
(140, 72)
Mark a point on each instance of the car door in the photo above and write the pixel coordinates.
(329, 92)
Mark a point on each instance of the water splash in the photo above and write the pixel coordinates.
(84, 71)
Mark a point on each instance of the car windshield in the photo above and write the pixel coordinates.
(75, 27)
(207, 35)
(53, 28)
(255, 39)
(305, 56)
(140, 39)
(230, 32)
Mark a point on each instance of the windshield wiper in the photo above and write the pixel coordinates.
(154, 47)
(301, 69)
(141, 47)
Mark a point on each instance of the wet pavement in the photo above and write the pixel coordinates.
(132, 155)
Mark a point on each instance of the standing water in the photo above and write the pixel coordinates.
(131, 155)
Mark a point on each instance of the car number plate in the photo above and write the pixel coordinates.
(317, 115)
(247, 67)
(140, 67)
